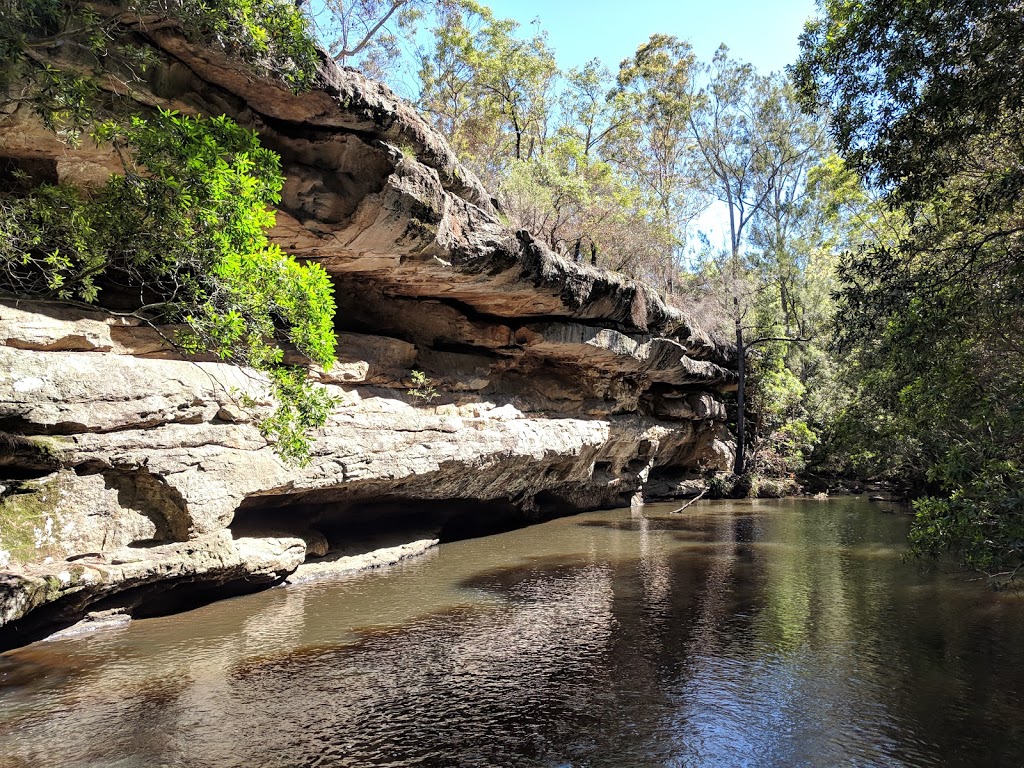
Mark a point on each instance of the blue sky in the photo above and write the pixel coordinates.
(763, 32)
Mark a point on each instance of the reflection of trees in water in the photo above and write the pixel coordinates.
(807, 701)
(655, 569)
(696, 723)
(802, 639)
(772, 635)
(843, 628)
(497, 686)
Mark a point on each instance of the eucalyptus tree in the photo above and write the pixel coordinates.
(782, 229)
(755, 150)
(517, 76)
(587, 113)
(654, 101)
(732, 145)
(366, 33)
(489, 88)
(448, 89)
(733, 158)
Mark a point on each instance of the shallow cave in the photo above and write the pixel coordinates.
(22, 458)
(350, 523)
(161, 598)
(672, 482)
(22, 175)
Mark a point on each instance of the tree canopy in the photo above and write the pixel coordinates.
(910, 86)
(924, 98)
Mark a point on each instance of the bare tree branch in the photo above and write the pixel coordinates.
(767, 339)
(395, 5)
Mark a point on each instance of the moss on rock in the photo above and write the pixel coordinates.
(29, 522)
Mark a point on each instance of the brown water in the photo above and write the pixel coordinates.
(744, 634)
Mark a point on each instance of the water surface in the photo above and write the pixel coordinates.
(782, 633)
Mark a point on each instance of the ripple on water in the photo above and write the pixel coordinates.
(757, 635)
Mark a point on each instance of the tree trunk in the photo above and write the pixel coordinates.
(741, 416)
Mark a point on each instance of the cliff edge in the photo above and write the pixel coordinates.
(132, 479)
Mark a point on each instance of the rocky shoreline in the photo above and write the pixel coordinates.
(134, 479)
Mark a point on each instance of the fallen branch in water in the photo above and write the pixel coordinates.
(691, 501)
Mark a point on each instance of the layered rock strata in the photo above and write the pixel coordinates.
(129, 473)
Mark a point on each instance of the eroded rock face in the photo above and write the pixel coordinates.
(559, 387)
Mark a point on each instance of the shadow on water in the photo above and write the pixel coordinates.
(776, 635)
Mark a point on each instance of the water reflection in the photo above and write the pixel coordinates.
(784, 633)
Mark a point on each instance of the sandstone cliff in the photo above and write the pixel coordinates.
(131, 475)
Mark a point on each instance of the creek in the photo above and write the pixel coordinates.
(766, 633)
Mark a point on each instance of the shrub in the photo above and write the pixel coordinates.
(422, 387)
(181, 236)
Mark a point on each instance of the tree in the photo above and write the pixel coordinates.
(517, 77)
(782, 225)
(654, 100)
(755, 151)
(727, 136)
(549, 197)
(910, 86)
(366, 33)
(489, 90)
(802, 395)
(448, 91)
(587, 109)
(924, 100)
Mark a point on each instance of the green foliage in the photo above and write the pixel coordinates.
(769, 284)
(181, 237)
(783, 439)
(486, 86)
(981, 520)
(271, 36)
(910, 85)
(722, 485)
(302, 407)
(423, 387)
(652, 105)
(602, 175)
(925, 101)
